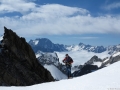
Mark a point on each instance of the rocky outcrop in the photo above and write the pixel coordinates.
(110, 61)
(93, 59)
(85, 70)
(18, 63)
(88, 67)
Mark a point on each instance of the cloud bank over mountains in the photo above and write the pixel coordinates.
(33, 19)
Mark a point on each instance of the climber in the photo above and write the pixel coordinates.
(68, 61)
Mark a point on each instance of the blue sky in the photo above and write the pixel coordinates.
(94, 22)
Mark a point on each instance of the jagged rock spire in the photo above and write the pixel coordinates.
(18, 64)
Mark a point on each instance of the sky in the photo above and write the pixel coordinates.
(94, 22)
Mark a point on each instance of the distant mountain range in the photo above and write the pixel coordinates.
(45, 45)
(44, 50)
(51, 62)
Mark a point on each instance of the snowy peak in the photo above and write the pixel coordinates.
(110, 60)
(104, 62)
(47, 58)
(40, 41)
(113, 49)
(96, 49)
(94, 61)
(45, 45)
(89, 48)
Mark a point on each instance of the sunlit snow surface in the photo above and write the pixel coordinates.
(97, 63)
(103, 79)
(116, 54)
(56, 73)
(36, 42)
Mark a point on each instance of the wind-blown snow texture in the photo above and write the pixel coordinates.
(103, 79)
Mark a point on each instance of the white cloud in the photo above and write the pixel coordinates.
(88, 37)
(54, 19)
(21, 6)
(51, 11)
(80, 57)
(112, 6)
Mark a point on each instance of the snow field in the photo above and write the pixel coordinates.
(103, 79)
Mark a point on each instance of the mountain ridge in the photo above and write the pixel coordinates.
(49, 46)
(45, 45)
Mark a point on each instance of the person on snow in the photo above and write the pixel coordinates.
(68, 61)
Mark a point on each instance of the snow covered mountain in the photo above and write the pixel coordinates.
(103, 79)
(113, 49)
(89, 48)
(95, 49)
(96, 63)
(47, 58)
(50, 61)
(45, 45)
(104, 62)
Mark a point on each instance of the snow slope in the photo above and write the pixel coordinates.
(56, 73)
(97, 63)
(107, 78)
(50, 61)
(116, 54)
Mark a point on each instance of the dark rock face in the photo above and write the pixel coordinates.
(18, 64)
(85, 70)
(88, 67)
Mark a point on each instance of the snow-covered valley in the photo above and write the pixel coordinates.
(80, 57)
(53, 62)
